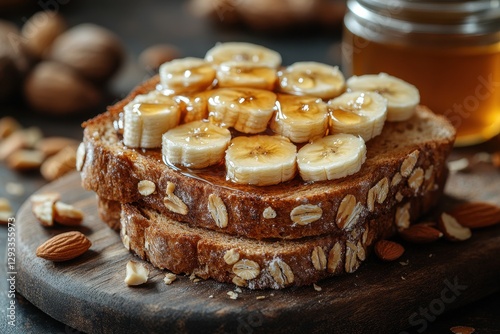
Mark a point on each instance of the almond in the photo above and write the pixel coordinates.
(64, 247)
(59, 164)
(137, 273)
(420, 234)
(20, 139)
(495, 159)
(452, 229)
(8, 126)
(52, 145)
(388, 250)
(44, 212)
(476, 214)
(6, 213)
(25, 160)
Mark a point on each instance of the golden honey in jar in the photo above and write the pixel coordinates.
(450, 50)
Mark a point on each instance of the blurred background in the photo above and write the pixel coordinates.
(63, 61)
(102, 49)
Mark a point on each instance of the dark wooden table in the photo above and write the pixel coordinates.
(139, 25)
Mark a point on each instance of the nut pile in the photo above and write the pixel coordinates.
(25, 149)
(49, 210)
(457, 225)
(58, 70)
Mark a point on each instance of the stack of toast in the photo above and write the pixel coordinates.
(292, 233)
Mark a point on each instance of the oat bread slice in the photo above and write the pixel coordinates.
(257, 264)
(402, 163)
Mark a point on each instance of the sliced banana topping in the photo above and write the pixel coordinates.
(237, 74)
(145, 122)
(194, 107)
(186, 75)
(300, 118)
(234, 87)
(261, 160)
(331, 157)
(245, 109)
(197, 144)
(358, 113)
(402, 97)
(312, 78)
(251, 54)
(155, 97)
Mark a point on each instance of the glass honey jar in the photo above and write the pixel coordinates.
(450, 50)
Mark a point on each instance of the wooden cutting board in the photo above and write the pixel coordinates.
(89, 294)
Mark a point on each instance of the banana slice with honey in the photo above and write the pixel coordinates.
(147, 117)
(245, 74)
(247, 110)
(300, 118)
(248, 53)
(194, 107)
(402, 97)
(186, 75)
(197, 144)
(331, 157)
(261, 160)
(358, 113)
(312, 78)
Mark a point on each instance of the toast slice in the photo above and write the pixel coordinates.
(256, 264)
(403, 163)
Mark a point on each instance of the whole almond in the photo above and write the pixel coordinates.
(64, 247)
(476, 214)
(420, 234)
(25, 160)
(52, 145)
(388, 250)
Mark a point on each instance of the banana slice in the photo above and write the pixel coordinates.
(402, 97)
(358, 113)
(312, 78)
(194, 107)
(300, 118)
(197, 144)
(145, 122)
(154, 97)
(248, 110)
(250, 54)
(244, 74)
(261, 160)
(186, 75)
(331, 157)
